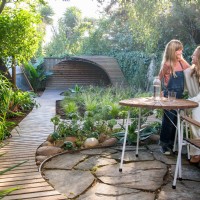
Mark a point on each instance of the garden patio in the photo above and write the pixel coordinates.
(88, 174)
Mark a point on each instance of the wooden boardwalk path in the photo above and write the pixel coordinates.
(33, 130)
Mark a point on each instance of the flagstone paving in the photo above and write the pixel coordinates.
(94, 174)
(91, 174)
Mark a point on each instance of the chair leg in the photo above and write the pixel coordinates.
(188, 145)
(175, 141)
(138, 132)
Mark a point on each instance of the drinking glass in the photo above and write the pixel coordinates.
(171, 96)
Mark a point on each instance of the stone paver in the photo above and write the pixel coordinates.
(70, 182)
(94, 161)
(108, 192)
(144, 177)
(185, 190)
(65, 161)
(130, 156)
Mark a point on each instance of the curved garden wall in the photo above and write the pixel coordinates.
(84, 70)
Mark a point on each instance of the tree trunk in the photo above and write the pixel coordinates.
(14, 73)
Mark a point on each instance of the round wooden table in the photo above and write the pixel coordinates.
(163, 103)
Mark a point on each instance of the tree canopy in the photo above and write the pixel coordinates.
(129, 30)
(19, 35)
(30, 3)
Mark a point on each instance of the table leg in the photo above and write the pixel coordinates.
(138, 132)
(180, 141)
(124, 143)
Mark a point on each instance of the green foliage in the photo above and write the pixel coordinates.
(55, 136)
(135, 66)
(70, 108)
(46, 13)
(29, 4)
(19, 36)
(68, 145)
(134, 32)
(5, 96)
(67, 40)
(4, 193)
(76, 89)
(101, 111)
(12, 103)
(36, 74)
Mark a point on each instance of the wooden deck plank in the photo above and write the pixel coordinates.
(18, 175)
(32, 185)
(17, 159)
(31, 195)
(10, 164)
(22, 182)
(20, 178)
(21, 152)
(56, 197)
(27, 154)
(22, 171)
(31, 190)
(20, 168)
(21, 147)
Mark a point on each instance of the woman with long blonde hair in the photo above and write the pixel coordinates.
(192, 78)
(171, 74)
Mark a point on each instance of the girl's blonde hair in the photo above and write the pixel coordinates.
(196, 67)
(169, 54)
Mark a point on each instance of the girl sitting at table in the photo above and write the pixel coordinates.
(171, 74)
(192, 78)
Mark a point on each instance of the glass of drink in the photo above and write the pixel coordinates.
(171, 96)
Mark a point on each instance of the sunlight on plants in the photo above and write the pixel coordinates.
(95, 112)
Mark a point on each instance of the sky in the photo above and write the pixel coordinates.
(87, 7)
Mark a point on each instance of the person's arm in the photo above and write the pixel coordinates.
(160, 75)
(185, 63)
(163, 72)
(196, 98)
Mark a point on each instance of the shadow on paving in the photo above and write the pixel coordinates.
(93, 174)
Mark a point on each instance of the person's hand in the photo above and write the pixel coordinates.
(179, 55)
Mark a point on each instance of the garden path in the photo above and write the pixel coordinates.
(98, 168)
(33, 130)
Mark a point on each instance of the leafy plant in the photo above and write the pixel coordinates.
(13, 102)
(20, 47)
(68, 145)
(101, 111)
(77, 89)
(70, 108)
(55, 120)
(36, 74)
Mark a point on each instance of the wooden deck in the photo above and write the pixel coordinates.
(21, 148)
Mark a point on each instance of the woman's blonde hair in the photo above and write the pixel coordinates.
(196, 67)
(169, 54)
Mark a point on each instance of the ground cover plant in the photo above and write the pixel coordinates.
(94, 112)
(14, 103)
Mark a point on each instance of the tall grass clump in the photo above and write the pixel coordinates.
(13, 102)
(6, 94)
(100, 102)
